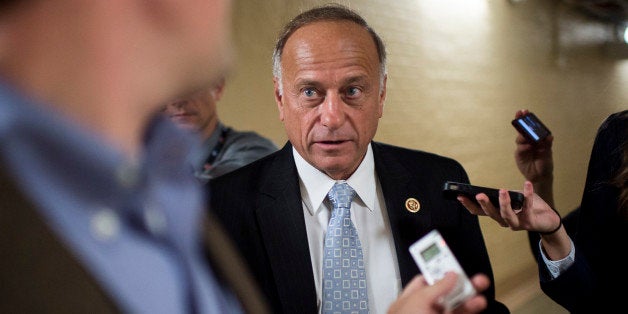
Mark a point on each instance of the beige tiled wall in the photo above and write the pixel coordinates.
(458, 71)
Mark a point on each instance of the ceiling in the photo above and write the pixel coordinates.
(611, 11)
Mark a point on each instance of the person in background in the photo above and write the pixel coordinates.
(99, 211)
(580, 270)
(330, 86)
(224, 149)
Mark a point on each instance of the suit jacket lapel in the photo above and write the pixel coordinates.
(398, 186)
(282, 225)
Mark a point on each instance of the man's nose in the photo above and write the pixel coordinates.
(179, 104)
(332, 111)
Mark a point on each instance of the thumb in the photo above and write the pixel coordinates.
(445, 285)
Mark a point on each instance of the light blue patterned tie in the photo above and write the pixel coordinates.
(344, 277)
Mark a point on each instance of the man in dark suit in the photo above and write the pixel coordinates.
(330, 87)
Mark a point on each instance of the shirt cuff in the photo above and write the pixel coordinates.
(558, 267)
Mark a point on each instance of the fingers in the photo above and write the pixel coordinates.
(414, 285)
(480, 282)
(438, 290)
(474, 305)
(471, 206)
(478, 302)
(419, 297)
(520, 113)
(442, 287)
(485, 207)
(528, 191)
(520, 140)
(489, 209)
(509, 215)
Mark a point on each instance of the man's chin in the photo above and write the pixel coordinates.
(183, 121)
(186, 126)
(337, 167)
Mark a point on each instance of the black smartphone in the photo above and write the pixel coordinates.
(452, 189)
(531, 127)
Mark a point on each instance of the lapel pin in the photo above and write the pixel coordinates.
(412, 205)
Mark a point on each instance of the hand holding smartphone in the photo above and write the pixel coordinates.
(452, 189)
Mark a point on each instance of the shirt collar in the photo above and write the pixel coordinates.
(201, 153)
(315, 184)
(28, 127)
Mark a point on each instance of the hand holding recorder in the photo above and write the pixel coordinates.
(443, 286)
(420, 297)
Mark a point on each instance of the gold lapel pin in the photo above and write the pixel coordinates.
(412, 205)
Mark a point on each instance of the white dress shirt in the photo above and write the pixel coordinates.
(368, 213)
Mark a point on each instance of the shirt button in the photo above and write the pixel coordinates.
(128, 175)
(105, 224)
(155, 221)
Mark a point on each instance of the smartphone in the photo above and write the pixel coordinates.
(434, 259)
(531, 127)
(452, 189)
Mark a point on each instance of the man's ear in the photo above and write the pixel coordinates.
(382, 96)
(278, 97)
(218, 89)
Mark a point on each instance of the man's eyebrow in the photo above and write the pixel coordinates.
(306, 82)
(354, 79)
(346, 81)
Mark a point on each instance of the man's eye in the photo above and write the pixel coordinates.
(309, 92)
(353, 91)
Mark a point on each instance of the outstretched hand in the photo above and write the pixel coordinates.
(419, 297)
(534, 215)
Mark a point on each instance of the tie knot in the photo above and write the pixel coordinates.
(341, 195)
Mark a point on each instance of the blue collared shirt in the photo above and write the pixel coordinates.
(133, 224)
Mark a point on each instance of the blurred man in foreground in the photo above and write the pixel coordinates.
(99, 211)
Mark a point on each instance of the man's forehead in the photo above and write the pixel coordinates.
(331, 43)
(329, 30)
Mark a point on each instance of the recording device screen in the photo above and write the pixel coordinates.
(531, 127)
(430, 252)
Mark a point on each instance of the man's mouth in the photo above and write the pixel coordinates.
(331, 144)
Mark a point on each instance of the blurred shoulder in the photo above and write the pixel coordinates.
(250, 137)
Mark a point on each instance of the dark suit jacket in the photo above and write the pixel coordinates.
(260, 206)
(594, 284)
(38, 274)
